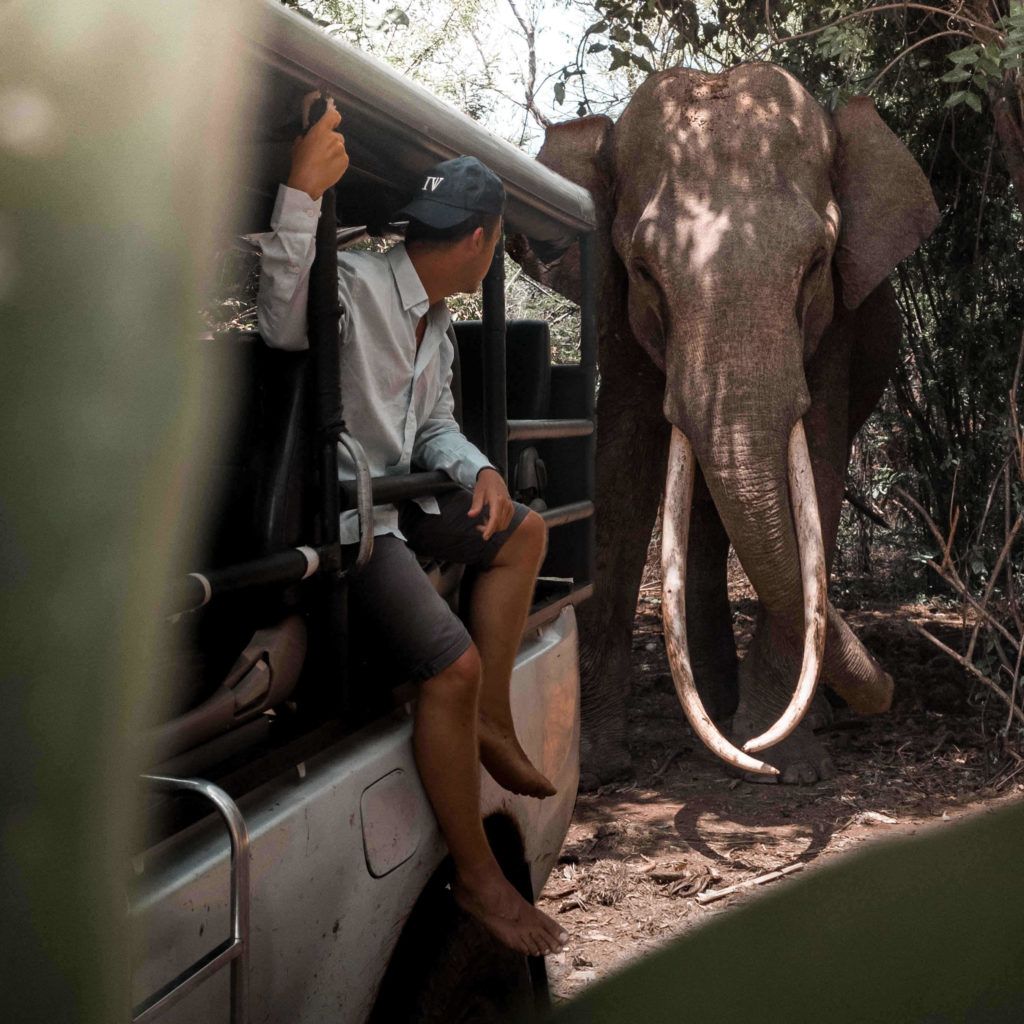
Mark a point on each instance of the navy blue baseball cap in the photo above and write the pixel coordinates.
(452, 191)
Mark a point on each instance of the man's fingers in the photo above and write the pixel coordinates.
(478, 504)
(328, 122)
(492, 523)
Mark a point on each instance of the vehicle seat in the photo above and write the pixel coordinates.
(527, 396)
(234, 660)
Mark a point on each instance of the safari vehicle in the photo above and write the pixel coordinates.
(292, 870)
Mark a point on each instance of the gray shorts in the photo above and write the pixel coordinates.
(393, 597)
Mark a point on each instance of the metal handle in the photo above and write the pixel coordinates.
(364, 497)
(235, 949)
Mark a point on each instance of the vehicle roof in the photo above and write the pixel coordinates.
(395, 130)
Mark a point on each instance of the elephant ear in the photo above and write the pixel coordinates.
(577, 150)
(887, 205)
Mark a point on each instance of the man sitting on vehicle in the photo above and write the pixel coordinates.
(396, 374)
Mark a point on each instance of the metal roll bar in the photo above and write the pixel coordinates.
(548, 430)
(565, 514)
(283, 567)
(233, 950)
(363, 497)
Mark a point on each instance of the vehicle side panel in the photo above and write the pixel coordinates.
(314, 841)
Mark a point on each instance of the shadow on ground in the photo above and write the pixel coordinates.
(641, 852)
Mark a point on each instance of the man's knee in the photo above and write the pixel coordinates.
(536, 530)
(528, 542)
(461, 679)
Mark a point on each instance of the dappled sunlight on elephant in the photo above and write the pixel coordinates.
(747, 330)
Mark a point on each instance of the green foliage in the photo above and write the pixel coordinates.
(985, 65)
(643, 37)
(421, 39)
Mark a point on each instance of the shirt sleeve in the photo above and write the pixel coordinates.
(440, 443)
(287, 255)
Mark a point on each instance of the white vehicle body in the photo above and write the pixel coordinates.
(341, 849)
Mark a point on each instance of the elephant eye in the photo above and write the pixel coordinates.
(816, 263)
(641, 271)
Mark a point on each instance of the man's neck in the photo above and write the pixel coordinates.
(433, 271)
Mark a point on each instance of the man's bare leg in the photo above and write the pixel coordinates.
(445, 744)
(498, 608)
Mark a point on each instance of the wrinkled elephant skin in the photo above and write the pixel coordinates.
(746, 236)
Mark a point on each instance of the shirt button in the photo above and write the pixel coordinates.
(293, 267)
(311, 213)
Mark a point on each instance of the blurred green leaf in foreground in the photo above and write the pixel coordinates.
(113, 118)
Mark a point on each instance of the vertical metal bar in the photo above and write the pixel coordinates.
(240, 903)
(588, 361)
(324, 316)
(495, 408)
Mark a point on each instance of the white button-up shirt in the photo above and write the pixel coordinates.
(397, 401)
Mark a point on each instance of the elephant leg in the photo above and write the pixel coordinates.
(708, 614)
(632, 451)
(768, 675)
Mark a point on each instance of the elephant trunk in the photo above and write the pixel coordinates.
(738, 397)
(774, 527)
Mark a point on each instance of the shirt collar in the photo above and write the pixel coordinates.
(411, 291)
(410, 288)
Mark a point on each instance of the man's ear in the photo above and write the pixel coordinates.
(887, 205)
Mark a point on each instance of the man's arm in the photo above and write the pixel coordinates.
(440, 444)
(319, 160)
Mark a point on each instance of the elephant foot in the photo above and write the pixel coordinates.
(801, 758)
(603, 763)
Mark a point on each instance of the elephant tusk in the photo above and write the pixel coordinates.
(815, 584)
(675, 540)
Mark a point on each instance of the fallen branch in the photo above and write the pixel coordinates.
(712, 895)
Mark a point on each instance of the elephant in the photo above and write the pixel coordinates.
(747, 329)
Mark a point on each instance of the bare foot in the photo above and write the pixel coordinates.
(507, 916)
(503, 757)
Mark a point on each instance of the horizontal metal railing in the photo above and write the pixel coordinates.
(296, 564)
(548, 430)
(389, 489)
(282, 567)
(562, 515)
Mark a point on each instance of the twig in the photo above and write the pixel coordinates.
(976, 672)
(948, 571)
(664, 764)
(984, 197)
(1010, 538)
(862, 506)
(958, 585)
(712, 895)
(529, 31)
(888, 67)
(867, 12)
(1016, 682)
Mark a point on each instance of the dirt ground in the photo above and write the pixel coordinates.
(643, 856)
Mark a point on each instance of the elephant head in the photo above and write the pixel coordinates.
(738, 219)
